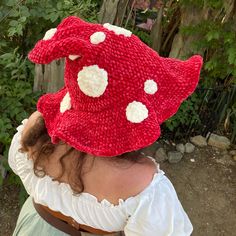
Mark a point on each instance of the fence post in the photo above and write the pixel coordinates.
(49, 78)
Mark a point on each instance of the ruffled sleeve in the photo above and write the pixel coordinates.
(159, 213)
(14, 148)
(154, 212)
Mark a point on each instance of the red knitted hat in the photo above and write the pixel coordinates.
(117, 90)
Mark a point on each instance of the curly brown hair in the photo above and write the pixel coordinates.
(37, 138)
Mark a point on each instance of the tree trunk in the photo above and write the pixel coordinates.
(192, 15)
(156, 32)
(113, 12)
(107, 13)
(182, 45)
(121, 9)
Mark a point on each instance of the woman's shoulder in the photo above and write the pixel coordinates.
(113, 180)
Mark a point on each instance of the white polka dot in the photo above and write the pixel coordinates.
(97, 37)
(136, 112)
(65, 103)
(150, 86)
(118, 30)
(92, 80)
(73, 57)
(50, 33)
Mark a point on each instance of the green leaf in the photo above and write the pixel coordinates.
(19, 30)
(212, 35)
(59, 5)
(22, 19)
(234, 75)
(6, 56)
(13, 13)
(210, 65)
(13, 23)
(232, 56)
(11, 31)
(54, 16)
(11, 3)
(24, 10)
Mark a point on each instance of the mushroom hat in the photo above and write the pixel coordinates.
(117, 92)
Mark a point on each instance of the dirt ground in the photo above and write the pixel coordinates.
(205, 187)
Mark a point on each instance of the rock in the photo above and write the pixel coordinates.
(174, 156)
(161, 155)
(226, 156)
(216, 150)
(221, 161)
(224, 152)
(232, 152)
(180, 147)
(218, 141)
(189, 147)
(225, 159)
(234, 158)
(199, 141)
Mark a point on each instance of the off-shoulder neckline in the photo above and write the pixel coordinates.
(93, 199)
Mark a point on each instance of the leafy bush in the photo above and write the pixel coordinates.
(215, 39)
(22, 24)
(186, 115)
(17, 101)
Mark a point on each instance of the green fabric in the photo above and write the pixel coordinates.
(30, 223)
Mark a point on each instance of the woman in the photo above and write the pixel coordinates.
(78, 155)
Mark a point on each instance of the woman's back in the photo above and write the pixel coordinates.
(148, 205)
(105, 178)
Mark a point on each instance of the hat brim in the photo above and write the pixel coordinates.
(180, 79)
(101, 133)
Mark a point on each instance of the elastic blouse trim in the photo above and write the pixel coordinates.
(59, 196)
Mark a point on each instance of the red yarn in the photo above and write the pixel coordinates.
(101, 125)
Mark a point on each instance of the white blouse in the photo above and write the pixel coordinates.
(156, 211)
